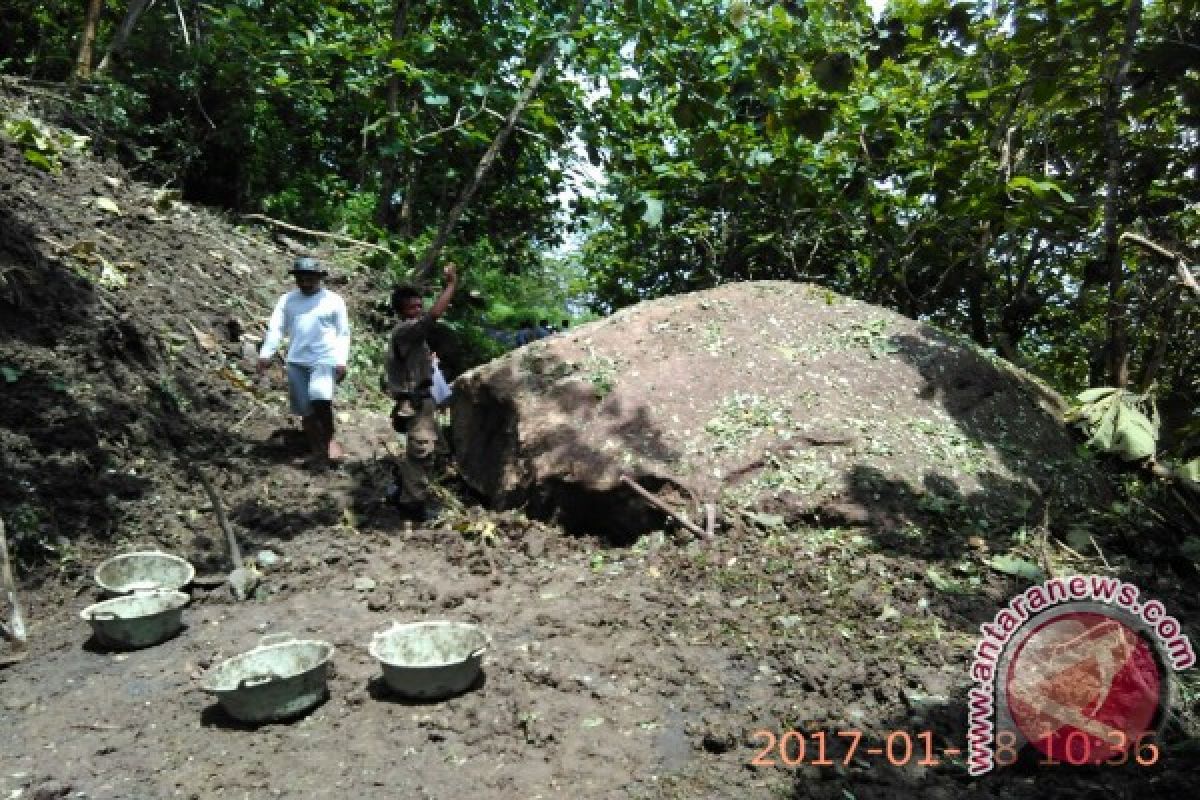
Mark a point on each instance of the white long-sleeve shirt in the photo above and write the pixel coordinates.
(317, 325)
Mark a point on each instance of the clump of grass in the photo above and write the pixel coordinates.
(742, 417)
(871, 335)
(601, 372)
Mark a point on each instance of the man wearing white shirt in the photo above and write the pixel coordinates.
(315, 321)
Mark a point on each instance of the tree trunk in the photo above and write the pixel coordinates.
(1022, 306)
(132, 15)
(974, 287)
(1117, 361)
(384, 214)
(1162, 338)
(425, 266)
(83, 64)
(405, 222)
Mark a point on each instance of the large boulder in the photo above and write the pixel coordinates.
(773, 398)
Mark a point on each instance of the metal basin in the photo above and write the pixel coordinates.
(146, 569)
(430, 660)
(273, 681)
(140, 619)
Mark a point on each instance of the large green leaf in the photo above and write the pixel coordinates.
(1135, 437)
(1189, 473)
(1094, 395)
(1040, 188)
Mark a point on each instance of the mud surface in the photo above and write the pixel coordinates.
(613, 672)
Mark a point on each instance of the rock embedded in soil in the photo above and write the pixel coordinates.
(779, 397)
(267, 560)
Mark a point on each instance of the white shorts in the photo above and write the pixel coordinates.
(307, 383)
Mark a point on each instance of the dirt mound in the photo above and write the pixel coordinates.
(773, 398)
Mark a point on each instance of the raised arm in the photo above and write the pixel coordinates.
(443, 302)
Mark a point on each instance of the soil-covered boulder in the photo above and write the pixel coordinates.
(772, 398)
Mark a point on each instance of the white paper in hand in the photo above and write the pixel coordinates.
(440, 390)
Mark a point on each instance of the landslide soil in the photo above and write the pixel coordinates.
(771, 396)
(634, 671)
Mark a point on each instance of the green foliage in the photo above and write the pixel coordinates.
(284, 108)
(1115, 422)
(40, 145)
(602, 372)
(30, 541)
(1189, 474)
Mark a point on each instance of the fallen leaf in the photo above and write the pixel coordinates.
(106, 204)
(1010, 565)
(110, 276)
(764, 520)
(164, 199)
(939, 581)
(204, 339)
(235, 378)
(83, 250)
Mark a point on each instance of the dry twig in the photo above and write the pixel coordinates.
(337, 237)
(15, 630)
(1099, 552)
(1182, 271)
(235, 552)
(663, 507)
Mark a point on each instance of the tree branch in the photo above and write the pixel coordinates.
(663, 507)
(458, 123)
(525, 131)
(187, 39)
(337, 237)
(15, 630)
(1182, 271)
(425, 265)
(132, 14)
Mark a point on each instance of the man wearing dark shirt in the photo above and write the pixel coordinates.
(409, 377)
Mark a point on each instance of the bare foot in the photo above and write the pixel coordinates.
(336, 453)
